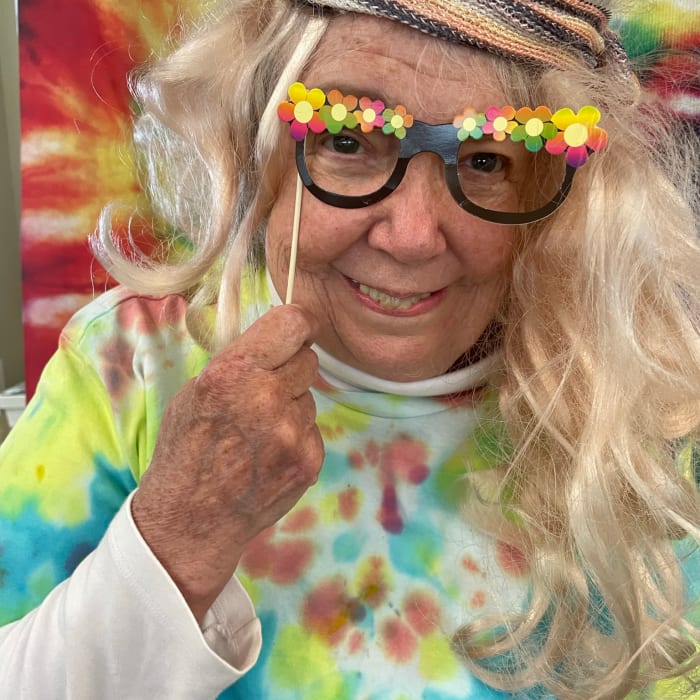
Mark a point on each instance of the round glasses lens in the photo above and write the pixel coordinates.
(351, 163)
(505, 177)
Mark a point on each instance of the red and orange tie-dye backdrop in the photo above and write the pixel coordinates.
(74, 58)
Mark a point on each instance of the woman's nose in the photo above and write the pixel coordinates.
(411, 221)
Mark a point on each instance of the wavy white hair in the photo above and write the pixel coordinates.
(600, 393)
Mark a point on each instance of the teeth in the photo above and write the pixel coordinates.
(386, 301)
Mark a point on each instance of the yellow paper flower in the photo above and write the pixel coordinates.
(578, 134)
(302, 111)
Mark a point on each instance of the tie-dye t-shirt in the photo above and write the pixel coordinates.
(358, 589)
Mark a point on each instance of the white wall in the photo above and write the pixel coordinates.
(10, 295)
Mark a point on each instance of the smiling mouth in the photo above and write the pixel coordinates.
(388, 301)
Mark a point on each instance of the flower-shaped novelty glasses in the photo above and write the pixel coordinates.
(503, 165)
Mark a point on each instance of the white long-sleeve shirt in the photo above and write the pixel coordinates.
(119, 629)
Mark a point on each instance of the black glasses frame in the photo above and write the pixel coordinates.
(440, 139)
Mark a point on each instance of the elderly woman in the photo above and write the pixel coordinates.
(460, 463)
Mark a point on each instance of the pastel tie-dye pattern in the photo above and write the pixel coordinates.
(358, 588)
(86, 438)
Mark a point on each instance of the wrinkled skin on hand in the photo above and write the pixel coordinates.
(237, 448)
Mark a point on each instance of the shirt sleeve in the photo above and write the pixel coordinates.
(88, 610)
(63, 478)
(119, 627)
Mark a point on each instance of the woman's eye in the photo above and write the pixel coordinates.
(484, 162)
(343, 143)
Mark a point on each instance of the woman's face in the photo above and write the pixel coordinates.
(403, 288)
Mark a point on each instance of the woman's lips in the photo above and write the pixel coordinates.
(395, 303)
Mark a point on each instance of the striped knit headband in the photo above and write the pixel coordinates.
(556, 33)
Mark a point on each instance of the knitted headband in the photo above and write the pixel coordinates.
(556, 33)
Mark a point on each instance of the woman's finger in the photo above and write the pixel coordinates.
(274, 338)
(298, 373)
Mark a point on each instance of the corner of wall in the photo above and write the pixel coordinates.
(11, 344)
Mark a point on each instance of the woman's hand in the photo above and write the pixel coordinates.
(237, 448)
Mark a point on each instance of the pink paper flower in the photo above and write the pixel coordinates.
(500, 122)
(370, 114)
